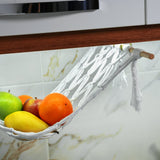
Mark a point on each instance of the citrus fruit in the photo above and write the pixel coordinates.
(8, 104)
(23, 98)
(55, 107)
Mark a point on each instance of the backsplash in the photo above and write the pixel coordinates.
(34, 73)
(107, 128)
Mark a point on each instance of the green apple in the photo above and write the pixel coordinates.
(9, 104)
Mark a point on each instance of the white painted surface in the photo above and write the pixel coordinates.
(112, 13)
(153, 12)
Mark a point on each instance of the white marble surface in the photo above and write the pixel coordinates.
(110, 129)
(20, 69)
(56, 64)
(107, 128)
(12, 149)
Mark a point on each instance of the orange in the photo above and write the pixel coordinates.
(23, 98)
(54, 108)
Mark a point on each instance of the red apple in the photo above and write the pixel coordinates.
(32, 106)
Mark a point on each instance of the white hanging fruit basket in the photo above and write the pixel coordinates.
(89, 77)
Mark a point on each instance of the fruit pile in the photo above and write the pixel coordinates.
(27, 114)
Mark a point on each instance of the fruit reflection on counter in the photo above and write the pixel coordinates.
(33, 115)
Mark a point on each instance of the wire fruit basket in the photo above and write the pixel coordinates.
(97, 68)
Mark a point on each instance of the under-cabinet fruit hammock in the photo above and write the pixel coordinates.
(90, 75)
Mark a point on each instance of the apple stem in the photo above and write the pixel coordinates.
(9, 91)
(35, 97)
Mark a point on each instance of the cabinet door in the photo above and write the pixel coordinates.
(112, 13)
(153, 12)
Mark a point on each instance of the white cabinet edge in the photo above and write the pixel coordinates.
(152, 11)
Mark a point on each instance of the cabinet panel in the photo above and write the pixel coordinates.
(112, 13)
(153, 12)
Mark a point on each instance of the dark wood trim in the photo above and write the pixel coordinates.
(75, 39)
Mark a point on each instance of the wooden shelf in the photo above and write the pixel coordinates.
(76, 39)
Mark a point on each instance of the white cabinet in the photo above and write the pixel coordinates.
(153, 12)
(112, 13)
